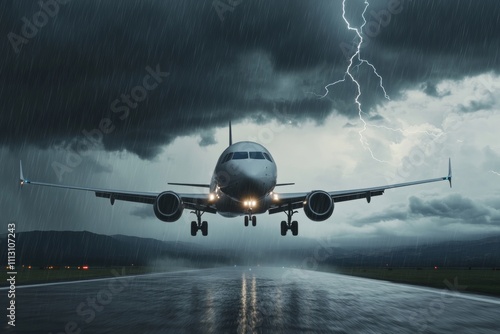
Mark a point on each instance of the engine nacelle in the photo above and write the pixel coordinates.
(168, 206)
(318, 205)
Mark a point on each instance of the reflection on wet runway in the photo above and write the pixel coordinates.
(250, 300)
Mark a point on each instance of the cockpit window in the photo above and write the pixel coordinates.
(240, 155)
(227, 157)
(267, 156)
(257, 155)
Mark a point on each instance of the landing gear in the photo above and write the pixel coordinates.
(204, 228)
(295, 228)
(290, 225)
(249, 218)
(198, 224)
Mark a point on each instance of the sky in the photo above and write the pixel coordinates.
(131, 95)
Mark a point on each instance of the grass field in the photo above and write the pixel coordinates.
(33, 276)
(486, 281)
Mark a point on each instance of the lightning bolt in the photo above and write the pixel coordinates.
(355, 62)
(348, 74)
(496, 173)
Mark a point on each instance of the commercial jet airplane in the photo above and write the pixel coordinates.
(243, 184)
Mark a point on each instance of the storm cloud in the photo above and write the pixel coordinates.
(267, 59)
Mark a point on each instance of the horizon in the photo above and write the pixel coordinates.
(135, 115)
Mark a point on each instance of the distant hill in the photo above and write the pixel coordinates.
(471, 253)
(42, 248)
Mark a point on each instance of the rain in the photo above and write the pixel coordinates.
(345, 94)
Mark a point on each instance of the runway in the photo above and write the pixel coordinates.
(249, 300)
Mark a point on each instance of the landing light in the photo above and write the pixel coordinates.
(250, 203)
(211, 197)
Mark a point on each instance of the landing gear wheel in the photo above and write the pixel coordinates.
(295, 228)
(194, 228)
(198, 225)
(204, 229)
(246, 220)
(254, 221)
(289, 224)
(284, 227)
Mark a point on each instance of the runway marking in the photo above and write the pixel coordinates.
(94, 280)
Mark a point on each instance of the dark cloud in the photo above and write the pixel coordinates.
(349, 125)
(265, 56)
(207, 138)
(144, 212)
(430, 88)
(452, 208)
(474, 106)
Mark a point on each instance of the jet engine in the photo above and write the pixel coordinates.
(318, 205)
(168, 206)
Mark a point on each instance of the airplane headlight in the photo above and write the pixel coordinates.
(250, 203)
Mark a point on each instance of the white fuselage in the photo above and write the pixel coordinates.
(243, 180)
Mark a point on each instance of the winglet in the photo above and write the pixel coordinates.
(449, 171)
(21, 176)
(230, 134)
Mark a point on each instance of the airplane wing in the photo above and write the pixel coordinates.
(191, 201)
(296, 200)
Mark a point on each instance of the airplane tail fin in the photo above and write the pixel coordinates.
(230, 134)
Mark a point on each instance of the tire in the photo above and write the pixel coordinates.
(283, 228)
(204, 229)
(246, 220)
(295, 228)
(254, 221)
(194, 228)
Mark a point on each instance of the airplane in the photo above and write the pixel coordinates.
(243, 184)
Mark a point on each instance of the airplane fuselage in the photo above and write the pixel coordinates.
(244, 179)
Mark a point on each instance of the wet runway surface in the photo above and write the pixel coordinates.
(244, 300)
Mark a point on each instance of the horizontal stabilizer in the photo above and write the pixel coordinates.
(190, 185)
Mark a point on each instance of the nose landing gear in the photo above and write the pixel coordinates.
(251, 217)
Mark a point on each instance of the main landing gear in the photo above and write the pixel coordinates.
(198, 224)
(290, 225)
(251, 218)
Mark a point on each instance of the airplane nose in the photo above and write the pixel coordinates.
(256, 180)
(249, 179)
